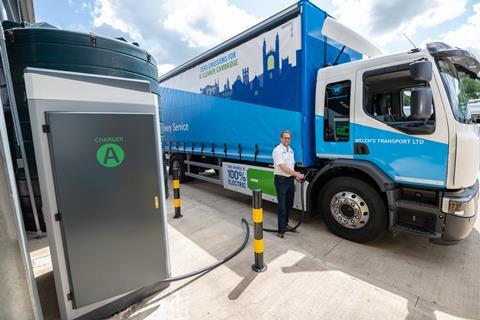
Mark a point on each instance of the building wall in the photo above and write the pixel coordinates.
(18, 292)
(15, 283)
(21, 10)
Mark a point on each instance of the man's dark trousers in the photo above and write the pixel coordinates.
(285, 187)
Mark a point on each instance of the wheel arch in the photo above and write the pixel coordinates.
(362, 169)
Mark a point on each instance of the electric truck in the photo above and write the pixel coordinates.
(385, 138)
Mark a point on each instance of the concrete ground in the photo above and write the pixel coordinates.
(311, 275)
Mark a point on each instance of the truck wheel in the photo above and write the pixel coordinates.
(353, 209)
(176, 161)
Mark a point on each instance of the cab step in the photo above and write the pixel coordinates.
(417, 206)
(417, 230)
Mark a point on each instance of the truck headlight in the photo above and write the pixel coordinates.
(464, 207)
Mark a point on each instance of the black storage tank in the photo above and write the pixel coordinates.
(44, 46)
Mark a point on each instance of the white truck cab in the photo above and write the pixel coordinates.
(404, 116)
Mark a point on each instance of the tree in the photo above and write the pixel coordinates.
(406, 99)
(471, 88)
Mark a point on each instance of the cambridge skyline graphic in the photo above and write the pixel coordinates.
(276, 87)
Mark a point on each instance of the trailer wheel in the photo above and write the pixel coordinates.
(176, 161)
(353, 209)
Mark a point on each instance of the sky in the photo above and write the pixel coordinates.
(174, 31)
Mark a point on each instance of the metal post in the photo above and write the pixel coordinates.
(176, 193)
(17, 127)
(257, 212)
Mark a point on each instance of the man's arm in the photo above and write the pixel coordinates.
(291, 172)
(287, 170)
(278, 161)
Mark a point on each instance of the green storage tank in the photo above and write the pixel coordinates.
(44, 46)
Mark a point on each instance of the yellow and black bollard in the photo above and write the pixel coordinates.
(176, 193)
(257, 211)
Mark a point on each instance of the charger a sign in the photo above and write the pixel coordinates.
(110, 154)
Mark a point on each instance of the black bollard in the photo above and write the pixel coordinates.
(258, 247)
(176, 193)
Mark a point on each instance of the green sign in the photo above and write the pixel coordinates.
(261, 179)
(110, 155)
(342, 131)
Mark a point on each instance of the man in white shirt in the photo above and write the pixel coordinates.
(284, 165)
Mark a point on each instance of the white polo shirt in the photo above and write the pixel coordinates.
(282, 155)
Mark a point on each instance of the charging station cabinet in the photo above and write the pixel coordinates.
(98, 152)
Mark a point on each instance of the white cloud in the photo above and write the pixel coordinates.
(105, 13)
(164, 68)
(354, 14)
(385, 21)
(468, 35)
(172, 30)
(206, 23)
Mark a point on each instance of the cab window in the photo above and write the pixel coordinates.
(387, 95)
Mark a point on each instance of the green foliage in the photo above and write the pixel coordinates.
(406, 100)
(471, 88)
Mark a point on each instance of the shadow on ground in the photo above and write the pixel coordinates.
(431, 278)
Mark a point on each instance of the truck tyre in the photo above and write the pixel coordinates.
(176, 161)
(353, 209)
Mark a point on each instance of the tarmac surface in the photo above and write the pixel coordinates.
(312, 274)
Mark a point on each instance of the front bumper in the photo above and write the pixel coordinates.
(460, 209)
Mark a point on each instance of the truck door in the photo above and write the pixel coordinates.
(410, 151)
(334, 131)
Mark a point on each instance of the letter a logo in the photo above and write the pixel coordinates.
(110, 155)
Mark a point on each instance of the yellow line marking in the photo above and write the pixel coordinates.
(156, 202)
(176, 184)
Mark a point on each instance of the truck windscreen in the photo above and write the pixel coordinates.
(452, 80)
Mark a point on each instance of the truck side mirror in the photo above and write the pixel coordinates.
(421, 70)
(421, 103)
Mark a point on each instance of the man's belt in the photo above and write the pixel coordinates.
(283, 177)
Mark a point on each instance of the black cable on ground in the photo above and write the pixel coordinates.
(302, 217)
(219, 262)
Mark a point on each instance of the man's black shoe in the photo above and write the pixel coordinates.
(291, 229)
(281, 235)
